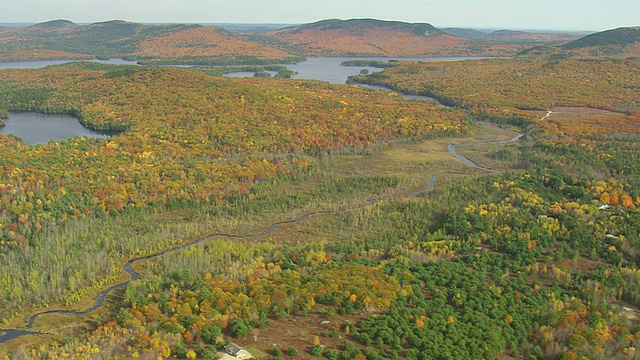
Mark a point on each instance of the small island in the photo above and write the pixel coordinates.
(380, 64)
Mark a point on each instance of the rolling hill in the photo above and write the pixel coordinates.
(622, 42)
(624, 36)
(371, 37)
(466, 33)
(513, 36)
(213, 45)
(54, 24)
(619, 43)
(172, 43)
(368, 37)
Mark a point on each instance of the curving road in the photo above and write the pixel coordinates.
(9, 334)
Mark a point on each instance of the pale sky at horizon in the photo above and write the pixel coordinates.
(594, 15)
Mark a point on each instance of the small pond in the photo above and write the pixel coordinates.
(37, 128)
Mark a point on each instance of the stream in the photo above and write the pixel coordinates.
(10, 334)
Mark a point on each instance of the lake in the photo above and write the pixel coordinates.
(316, 68)
(323, 69)
(36, 128)
(329, 69)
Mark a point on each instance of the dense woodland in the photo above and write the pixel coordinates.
(204, 141)
(524, 83)
(541, 262)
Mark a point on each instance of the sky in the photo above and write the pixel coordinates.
(588, 15)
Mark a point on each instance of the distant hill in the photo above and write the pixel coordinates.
(362, 26)
(513, 36)
(367, 37)
(251, 28)
(197, 44)
(624, 36)
(619, 43)
(172, 43)
(373, 37)
(55, 24)
(213, 45)
(467, 33)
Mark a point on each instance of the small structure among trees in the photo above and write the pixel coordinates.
(238, 352)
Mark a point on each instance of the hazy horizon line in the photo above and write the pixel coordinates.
(286, 24)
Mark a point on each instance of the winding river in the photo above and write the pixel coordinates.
(9, 334)
(453, 152)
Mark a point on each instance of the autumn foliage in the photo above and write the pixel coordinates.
(204, 42)
(522, 83)
(183, 139)
(536, 262)
(175, 43)
(188, 137)
(370, 37)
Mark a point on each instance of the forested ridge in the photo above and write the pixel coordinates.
(370, 37)
(536, 262)
(522, 83)
(620, 42)
(212, 45)
(167, 43)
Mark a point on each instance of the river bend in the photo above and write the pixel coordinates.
(10, 334)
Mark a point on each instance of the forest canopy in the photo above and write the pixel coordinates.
(539, 261)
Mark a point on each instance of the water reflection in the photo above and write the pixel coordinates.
(329, 68)
(36, 128)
